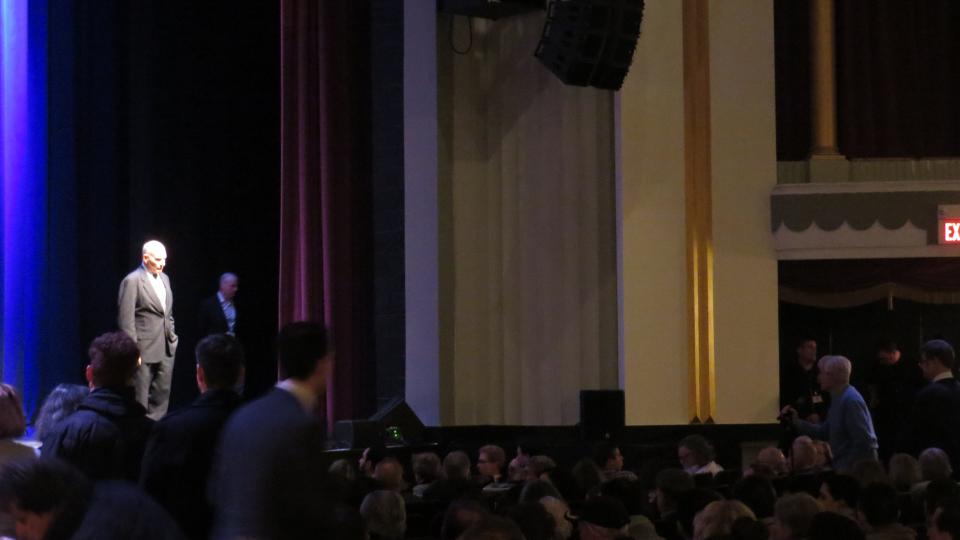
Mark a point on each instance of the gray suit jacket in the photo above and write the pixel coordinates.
(144, 319)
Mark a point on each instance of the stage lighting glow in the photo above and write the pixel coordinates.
(23, 140)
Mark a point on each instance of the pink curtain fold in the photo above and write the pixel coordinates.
(324, 202)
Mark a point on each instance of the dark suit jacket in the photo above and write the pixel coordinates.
(105, 437)
(935, 420)
(143, 318)
(268, 475)
(211, 320)
(179, 456)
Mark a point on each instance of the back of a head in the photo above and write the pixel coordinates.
(461, 515)
(456, 465)
(672, 482)
(60, 403)
(758, 493)
(535, 490)
(45, 486)
(426, 467)
(904, 471)
(494, 453)
(587, 475)
(935, 464)
(113, 359)
(699, 446)
(869, 471)
(221, 357)
(12, 420)
(384, 513)
(878, 504)
(803, 453)
(603, 451)
(941, 350)
(773, 458)
(833, 526)
(794, 513)
(717, 518)
(559, 510)
(301, 345)
(389, 472)
(493, 528)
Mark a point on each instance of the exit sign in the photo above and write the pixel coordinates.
(948, 224)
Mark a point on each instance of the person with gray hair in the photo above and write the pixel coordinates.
(218, 313)
(935, 465)
(385, 515)
(145, 306)
(792, 516)
(696, 456)
(848, 426)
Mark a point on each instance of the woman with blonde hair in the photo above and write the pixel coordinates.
(13, 424)
(716, 519)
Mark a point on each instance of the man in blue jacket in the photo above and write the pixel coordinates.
(848, 427)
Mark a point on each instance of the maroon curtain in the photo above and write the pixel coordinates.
(325, 210)
(838, 276)
(898, 78)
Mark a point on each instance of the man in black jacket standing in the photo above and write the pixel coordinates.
(267, 477)
(106, 435)
(934, 422)
(179, 454)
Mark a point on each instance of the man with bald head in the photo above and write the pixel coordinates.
(146, 315)
(218, 313)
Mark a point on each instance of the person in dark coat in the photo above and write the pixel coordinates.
(51, 500)
(934, 422)
(268, 480)
(179, 454)
(106, 436)
(218, 314)
(891, 383)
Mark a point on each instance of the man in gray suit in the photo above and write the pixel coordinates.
(146, 315)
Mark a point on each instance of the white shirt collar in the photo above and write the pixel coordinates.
(220, 297)
(944, 375)
(301, 391)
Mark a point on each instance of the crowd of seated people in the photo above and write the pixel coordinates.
(224, 470)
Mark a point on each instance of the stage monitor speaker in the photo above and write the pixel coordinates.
(602, 414)
(357, 433)
(400, 422)
(590, 42)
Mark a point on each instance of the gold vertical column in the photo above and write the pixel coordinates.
(823, 88)
(699, 234)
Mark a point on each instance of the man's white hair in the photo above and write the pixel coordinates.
(836, 364)
(155, 248)
(228, 275)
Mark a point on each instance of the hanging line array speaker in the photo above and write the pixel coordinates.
(590, 42)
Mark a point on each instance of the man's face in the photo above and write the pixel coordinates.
(807, 351)
(486, 466)
(687, 458)
(615, 463)
(155, 261)
(29, 525)
(228, 287)
(931, 367)
(888, 358)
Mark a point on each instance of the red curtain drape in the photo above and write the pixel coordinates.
(325, 211)
(898, 78)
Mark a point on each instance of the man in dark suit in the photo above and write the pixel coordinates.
(267, 481)
(106, 435)
(934, 422)
(218, 313)
(179, 454)
(146, 315)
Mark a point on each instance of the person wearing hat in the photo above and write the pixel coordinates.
(602, 518)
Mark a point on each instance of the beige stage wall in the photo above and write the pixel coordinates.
(656, 369)
(529, 306)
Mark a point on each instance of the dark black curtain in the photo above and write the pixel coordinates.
(898, 75)
(171, 132)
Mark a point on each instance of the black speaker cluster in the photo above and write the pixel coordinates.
(591, 42)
